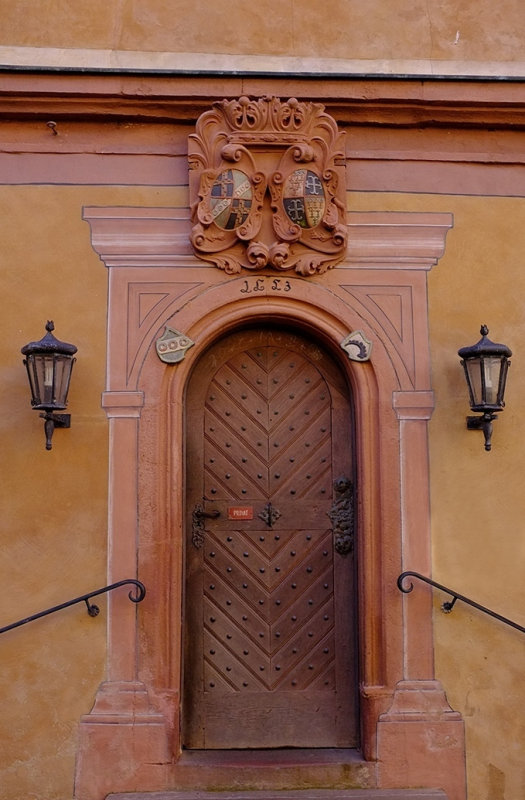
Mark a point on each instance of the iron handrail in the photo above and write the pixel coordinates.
(448, 605)
(92, 609)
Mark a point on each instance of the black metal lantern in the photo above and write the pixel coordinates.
(49, 363)
(486, 364)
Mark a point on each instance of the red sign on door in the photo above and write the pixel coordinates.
(240, 512)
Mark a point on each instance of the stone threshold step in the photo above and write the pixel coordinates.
(303, 794)
(269, 772)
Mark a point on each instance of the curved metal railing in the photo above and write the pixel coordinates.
(92, 609)
(448, 605)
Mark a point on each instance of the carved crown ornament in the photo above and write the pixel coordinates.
(267, 186)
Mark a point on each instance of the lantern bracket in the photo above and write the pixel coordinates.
(52, 421)
(483, 423)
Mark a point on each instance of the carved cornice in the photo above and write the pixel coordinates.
(152, 237)
(354, 100)
(392, 238)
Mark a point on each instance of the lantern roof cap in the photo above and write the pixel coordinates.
(485, 347)
(49, 344)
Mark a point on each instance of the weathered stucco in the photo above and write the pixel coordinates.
(409, 33)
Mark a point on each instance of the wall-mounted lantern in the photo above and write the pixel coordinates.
(49, 363)
(486, 364)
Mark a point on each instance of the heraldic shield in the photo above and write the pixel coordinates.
(231, 199)
(267, 186)
(172, 346)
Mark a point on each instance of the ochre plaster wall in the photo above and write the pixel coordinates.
(378, 30)
(54, 504)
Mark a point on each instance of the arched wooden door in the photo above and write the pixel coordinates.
(270, 611)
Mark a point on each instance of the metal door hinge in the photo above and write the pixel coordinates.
(342, 516)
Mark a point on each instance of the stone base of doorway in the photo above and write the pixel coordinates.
(308, 794)
(276, 773)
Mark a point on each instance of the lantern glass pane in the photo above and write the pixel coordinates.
(486, 378)
(49, 376)
(502, 381)
(33, 381)
(473, 370)
(62, 374)
(47, 384)
(491, 369)
(38, 363)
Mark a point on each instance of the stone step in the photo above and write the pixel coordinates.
(268, 771)
(303, 794)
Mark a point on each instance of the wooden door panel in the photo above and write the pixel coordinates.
(269, 608)
(275, 725)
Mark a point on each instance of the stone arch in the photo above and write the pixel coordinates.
(366, 389)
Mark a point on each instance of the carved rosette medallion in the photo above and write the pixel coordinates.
(267, 186)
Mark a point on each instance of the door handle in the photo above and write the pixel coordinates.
(200, 513)
(198, 530)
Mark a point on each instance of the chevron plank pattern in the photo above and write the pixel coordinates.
(269, 608)
(269, 626)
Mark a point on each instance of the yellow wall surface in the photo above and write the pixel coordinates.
(379, 30)
(54, 504)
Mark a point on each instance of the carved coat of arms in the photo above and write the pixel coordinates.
(267, 186)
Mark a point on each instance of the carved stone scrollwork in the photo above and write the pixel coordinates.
(267, 186)
(342, 516)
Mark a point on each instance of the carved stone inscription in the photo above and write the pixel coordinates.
(267, 186)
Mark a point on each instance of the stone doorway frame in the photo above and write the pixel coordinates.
(130, 740)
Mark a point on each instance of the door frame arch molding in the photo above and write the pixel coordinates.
(381, 289)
